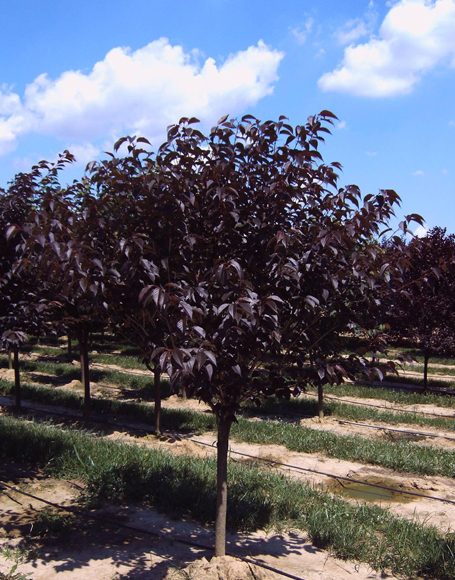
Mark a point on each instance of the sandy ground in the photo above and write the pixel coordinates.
(440, 514)
(384, 432)
(105, 550)
(427, 511)
(388, 406)
(423, 510)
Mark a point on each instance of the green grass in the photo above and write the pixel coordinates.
(52, 524)
(128, 358)
(431, 370)
(308, 408)
(393, 396)
(139, 386)
(184, 486)
(174, 419)
(402, 456)
(418, 356)
(122, 360)
(418, 381)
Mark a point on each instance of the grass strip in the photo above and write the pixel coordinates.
(182, 420)
(309, 407)
(393, 396)
(185, 486)
(418, 356)
(65, 372)
(397, 455)
(62, 373)
(123, 359)
(418, 381)
(447, 370)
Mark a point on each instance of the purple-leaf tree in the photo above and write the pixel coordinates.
(423, 314)
(65, 244)
(21, 311)
(145, 221)
(269, 266)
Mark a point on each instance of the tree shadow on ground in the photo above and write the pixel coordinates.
(129, 541)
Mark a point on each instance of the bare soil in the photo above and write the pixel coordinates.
(420, 509)
(384, 432)
(388, 406)
(105, 550)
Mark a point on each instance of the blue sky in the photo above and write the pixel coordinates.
(79, 75)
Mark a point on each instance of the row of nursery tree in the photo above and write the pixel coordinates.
(232, 260)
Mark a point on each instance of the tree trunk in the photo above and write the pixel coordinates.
(157, 399)
(224, 427)
(183, 392)
(320, 402)
(85, 376)
(426, 357)
(10, 360)
(17, 379)
(70, 346)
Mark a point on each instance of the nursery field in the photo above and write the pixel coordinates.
(368, 492)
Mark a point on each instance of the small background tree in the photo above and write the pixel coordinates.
(423, 315)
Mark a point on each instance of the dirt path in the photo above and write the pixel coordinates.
(144, 372)
(106, 552)
(417, 363)
(423, 510)
(384, 432)
(427, 511)
(419, 375)
(389, 406)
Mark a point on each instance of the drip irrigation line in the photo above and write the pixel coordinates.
(394, 430)
(331, 475)
(347, 422)
(159, 535)
(383, 407)
(405, 386)
(277, 416)
(281, 464)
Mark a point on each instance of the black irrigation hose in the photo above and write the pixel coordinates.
(405, 386)
(383, 407)
(331, 475)
(366, 425)
(178, 539)
(286, 465)
(342, 421)
(394, 430)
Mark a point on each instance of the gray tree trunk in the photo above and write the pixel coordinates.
(17, 379)
(321, 402)
(85, 373)
(157, 399)
(224, 427)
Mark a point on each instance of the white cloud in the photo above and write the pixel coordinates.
(421, 231)
(356, 28)
(352, 31)
(452, 123)
(371, 153)
(418, 173)
(301, 33)
(342, 125)
(415, 37)
(85, 152)
(138, 91)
